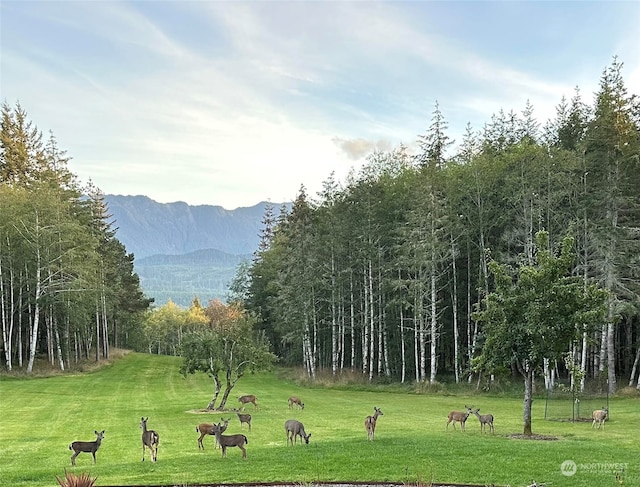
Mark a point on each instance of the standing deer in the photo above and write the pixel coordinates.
(600, 416)
(230, 440)
(295, 400)
(86, 446)
(244, 418)
(459, 416)
(370, 423)
(293, 429)
(250, 398)
(207, 429)
(150, 439)
(485, 419)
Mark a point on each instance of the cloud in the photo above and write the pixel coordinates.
(236, 102)
(356, 149)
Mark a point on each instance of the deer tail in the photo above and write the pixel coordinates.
(197, 430)
(246, 440)
(70, 446)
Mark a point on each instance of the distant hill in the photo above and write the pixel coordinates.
(182, 251)
(147, 227)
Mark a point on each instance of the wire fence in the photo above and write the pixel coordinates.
(564, 404)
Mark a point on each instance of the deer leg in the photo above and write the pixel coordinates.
(94, 457)
(244, 451)
(73, 458)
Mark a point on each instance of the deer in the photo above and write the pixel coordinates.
(244, 418)
(86, 446)
(207, 429)
(250, 398)
(226, 441)
(459, 416)
(293, 429)
(600, 416)
(150, 439)
(485, 419)
(370, 423)
(295, 400)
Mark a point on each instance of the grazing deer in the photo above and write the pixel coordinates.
(370, 423)
(294, 429)
(244, 418)
(230, 440)
(250, 398)
(485, 419)
(86, 446)
(207, 429)
(459, 416)
(295, 400)
(150, 439)
(600, 416)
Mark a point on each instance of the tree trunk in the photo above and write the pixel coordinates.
(33, 339)
(403, 371)
(352, 321)
(334, 321)
(434, 328)
(7, 316)
(371, 322)
(528, 399)
(218, 387)
(611, 355)
(634, 368)
(454, 304)
(365, 328)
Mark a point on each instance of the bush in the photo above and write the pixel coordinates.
(73, 480)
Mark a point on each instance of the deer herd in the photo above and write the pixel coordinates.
(293, 429)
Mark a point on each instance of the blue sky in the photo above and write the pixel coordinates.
(232, 103)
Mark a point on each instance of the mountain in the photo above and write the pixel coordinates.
(182, 251)
(147, 227)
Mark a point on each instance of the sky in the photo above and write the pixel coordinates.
(231, 103)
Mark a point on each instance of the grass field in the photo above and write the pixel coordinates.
(40, 417)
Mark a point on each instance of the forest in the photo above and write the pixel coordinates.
(68, 291)
(386, 274)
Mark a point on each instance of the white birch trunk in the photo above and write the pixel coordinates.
(33, 339)
(454, 304)
(371, 323)
(352, 323)
(334, 320)
(8, 319)
(403, 360)
(634, 369)
(365, 328)
(434, 329)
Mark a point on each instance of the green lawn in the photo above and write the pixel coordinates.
(40, 417)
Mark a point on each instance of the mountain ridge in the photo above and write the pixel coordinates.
(147, 227)
(183, 251)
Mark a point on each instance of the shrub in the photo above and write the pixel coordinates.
(72, 480)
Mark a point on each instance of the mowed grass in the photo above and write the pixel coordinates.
(40, 417)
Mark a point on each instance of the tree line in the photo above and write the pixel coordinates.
(67, 287)
(386, 273)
